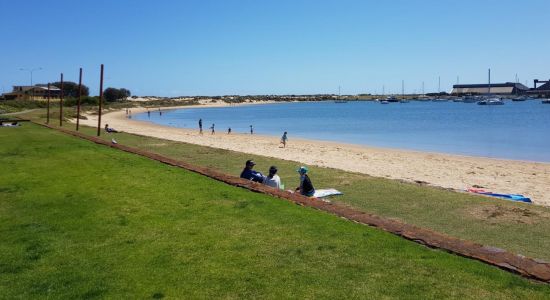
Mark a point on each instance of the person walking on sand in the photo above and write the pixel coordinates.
(251, 130)
(284, 139)
(213, 130)
(273, 180)
(229, 130)
(200, 126)
(306, 187)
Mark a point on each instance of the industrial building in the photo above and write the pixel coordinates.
(508, 88)
(541, 91)
(32, 92)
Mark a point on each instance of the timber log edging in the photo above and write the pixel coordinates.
(515, 263)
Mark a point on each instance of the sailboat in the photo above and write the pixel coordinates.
(338, 100)
(403, 100)
(491, 100)
(391, 99)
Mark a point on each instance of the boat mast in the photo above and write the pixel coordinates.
(489, 81)
(402, 89)
(439, 85)
(423, 93)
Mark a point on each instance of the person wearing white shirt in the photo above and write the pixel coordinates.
(273, 180)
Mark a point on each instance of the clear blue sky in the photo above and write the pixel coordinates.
(172, 48)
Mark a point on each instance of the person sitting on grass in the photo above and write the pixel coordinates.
(110, 130)
(306, 187)
(273, 180)
(251, 174)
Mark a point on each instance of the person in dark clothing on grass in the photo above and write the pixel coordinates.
(251, 174)
(109, 129)
(306, 187)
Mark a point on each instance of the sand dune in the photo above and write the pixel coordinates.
(444, 170)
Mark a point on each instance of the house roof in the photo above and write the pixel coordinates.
(493, 85)
(484, 90)
(36, 87)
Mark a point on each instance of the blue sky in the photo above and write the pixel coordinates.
(172, 48)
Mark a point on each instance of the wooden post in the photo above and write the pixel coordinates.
(79, 99)
(100, 101)
(48, 107)
(61, 103)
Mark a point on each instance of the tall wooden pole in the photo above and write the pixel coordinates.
(100, 101)
(61, 103)
(48, 107)
(79, 99)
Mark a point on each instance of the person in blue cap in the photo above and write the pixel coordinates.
(251, 174)
(306, 187)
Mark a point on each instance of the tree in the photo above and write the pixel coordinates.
(113, 94)
(70, 89)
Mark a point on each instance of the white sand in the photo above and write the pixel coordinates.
(449, 171)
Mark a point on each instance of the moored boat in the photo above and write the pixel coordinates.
(516, 99)
(470, 99)
(546, 101)
(491, 101)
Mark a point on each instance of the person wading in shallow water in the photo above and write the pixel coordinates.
(213, 130)
(251, 130)
(229, 130)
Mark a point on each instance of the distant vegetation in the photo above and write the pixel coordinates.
(113, 94)
(70, 89)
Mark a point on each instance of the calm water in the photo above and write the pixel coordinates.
(516, 130)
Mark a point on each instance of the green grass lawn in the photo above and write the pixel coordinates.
(78, 220)
(517, 227)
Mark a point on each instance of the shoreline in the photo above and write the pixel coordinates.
(453, 171)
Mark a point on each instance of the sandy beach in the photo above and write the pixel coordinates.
(443, 170)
